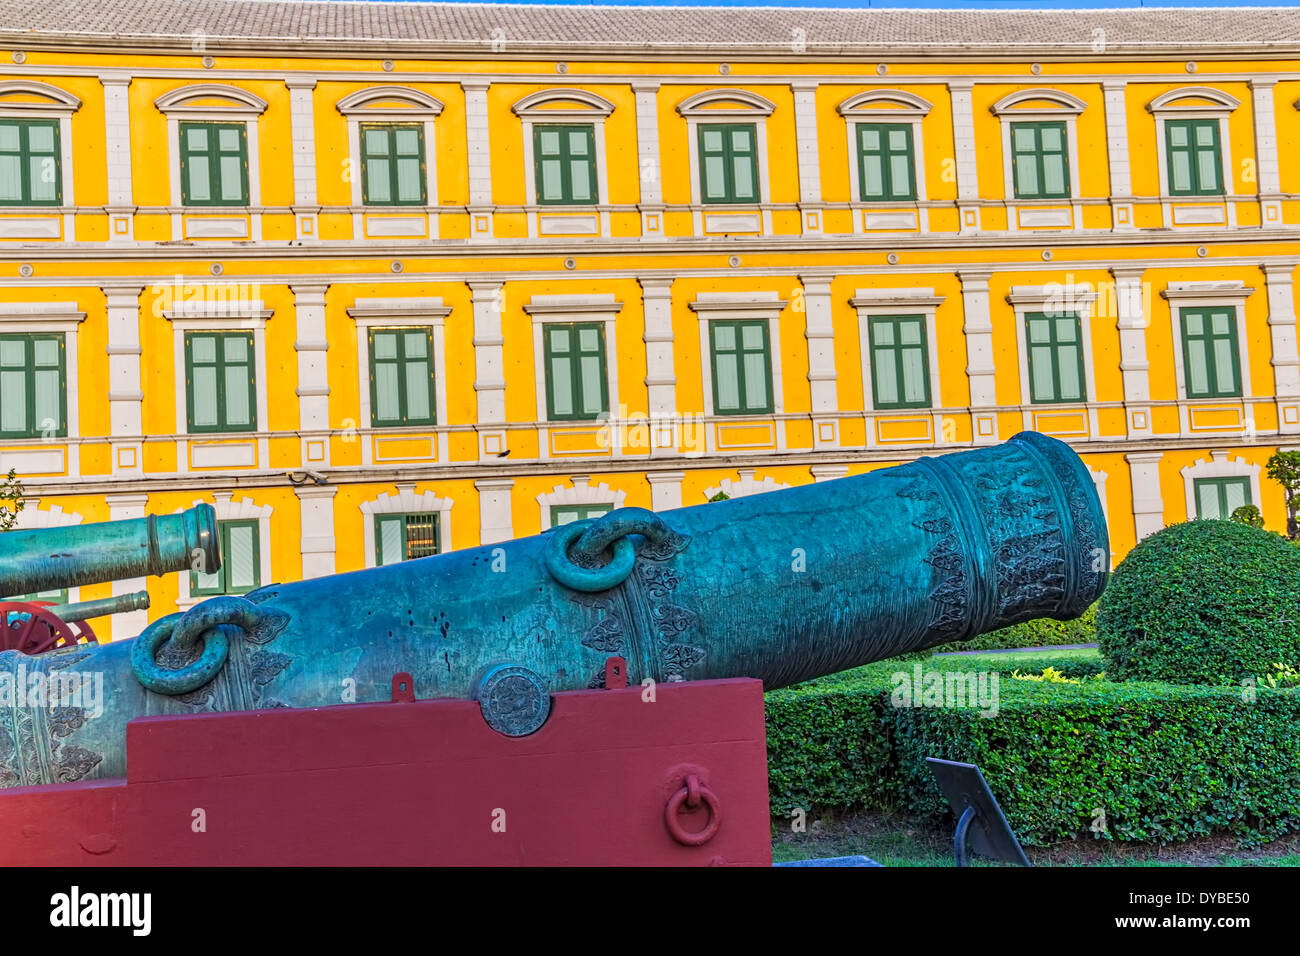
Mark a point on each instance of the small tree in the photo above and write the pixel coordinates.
(1284, 468)
(11, 500)
(1248, 514)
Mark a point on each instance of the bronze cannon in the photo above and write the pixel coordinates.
(783, 586)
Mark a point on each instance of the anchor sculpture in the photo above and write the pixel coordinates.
(783, 586)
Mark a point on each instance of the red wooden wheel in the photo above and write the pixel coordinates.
(28, 627)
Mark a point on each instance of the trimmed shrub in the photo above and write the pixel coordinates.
(1204, 602)
(1163, 762)
(1042, 632)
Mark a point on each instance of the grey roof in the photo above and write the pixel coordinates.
(344, 26)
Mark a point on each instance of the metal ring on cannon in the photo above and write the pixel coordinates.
(211, 624)
(586, 540)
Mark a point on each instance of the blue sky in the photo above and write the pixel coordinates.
(923, 4)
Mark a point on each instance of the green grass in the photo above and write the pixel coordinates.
(894, 840)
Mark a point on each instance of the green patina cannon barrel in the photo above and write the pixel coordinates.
(783, 586)
(44, 559)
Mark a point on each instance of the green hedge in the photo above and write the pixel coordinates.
(1203, 602)
(1043, 632)
(1166, 763)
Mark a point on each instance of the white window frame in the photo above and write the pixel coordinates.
(421, 313)
(406, 501)
(372, 104)
(738, 305)
(215, 315)
(574, 107)
(1165, 107)
(923, 302)
(60, 318)
(56, 104)
(1067, 109)
(34, 517)
(1193, 295)
(875, 107)
(227, 509)
(1077, 299)
(582, 492)
(1221, 464)
(183, 104)
(564, 309)
(738, 106)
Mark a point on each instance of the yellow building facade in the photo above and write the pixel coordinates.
(375, 288)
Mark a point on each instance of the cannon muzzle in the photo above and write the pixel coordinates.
(783, 586)
(44, 559)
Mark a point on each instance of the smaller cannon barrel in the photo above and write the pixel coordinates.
(45, 559)
(117, 604)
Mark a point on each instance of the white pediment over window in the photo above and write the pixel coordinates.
(881, 104)
(406, 501)
(726, 102)
(582, 492)
(747, 484)
(563, 103)
(1039, 100)
(205, 99)
(33, 517)
(389, 102)
(1194, 99)
(30, 95)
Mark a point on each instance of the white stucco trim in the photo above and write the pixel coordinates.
(1220, 464)
(1165, 107)
(228, 509)
(219, 315)
(888, 106)
(740, 305)
(581, 492)
(391, 313)
(746, 484)
(1066, 108)
(406, 501)
(59, 317)
(1056, 299)
(590, 109)
(878, 302)
(1229, 294)
(596, 307)
(374, 105)
(181, 105)
(746, 107)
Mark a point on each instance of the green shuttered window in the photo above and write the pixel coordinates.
(1193, 156)
(401, 378)
(31, 172)
(577, 386)
(566, 514)
(742, 366)
(1220, 497)
(564, 158)
(241, 561)
(220, 382)
(393, 165)
(214, 164)
(729, 162)
(405, 536)
(33, 386)
(900, 363)
(1055, 357)
(885, 162)
(1211, 362)
(1040, 160)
